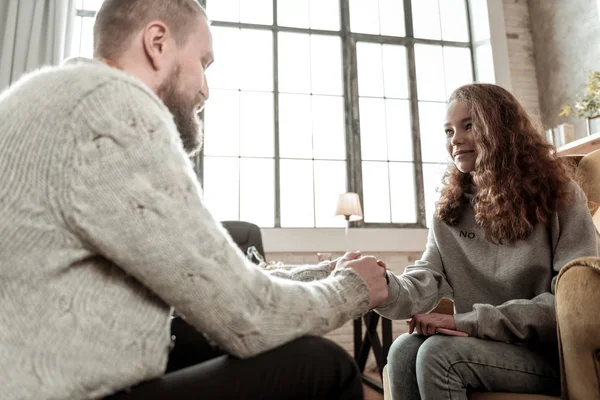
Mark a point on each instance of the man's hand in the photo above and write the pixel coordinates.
(428, 324)
(372, 272)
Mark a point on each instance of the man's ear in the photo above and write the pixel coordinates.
(155, 40)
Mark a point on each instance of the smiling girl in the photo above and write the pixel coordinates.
(508, 219)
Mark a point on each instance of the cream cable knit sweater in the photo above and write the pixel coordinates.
(103, 231)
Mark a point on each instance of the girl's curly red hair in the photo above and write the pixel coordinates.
(519, 178)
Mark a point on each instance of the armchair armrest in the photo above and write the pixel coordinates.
(577, 302)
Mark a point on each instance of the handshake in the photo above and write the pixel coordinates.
(371, 270)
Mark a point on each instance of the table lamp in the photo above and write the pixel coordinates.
(348, 205)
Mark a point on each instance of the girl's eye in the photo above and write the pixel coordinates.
(449, 132)
(469, 126)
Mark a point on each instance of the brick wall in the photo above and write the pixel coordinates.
(521, 55)
(565, 35)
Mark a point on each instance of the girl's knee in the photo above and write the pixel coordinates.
(439, 353)
(403, 352)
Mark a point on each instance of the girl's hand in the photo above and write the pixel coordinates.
(343, 260)
(428, 324)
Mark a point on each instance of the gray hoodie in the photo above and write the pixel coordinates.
(500, 292)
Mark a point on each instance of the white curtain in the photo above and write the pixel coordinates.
(33, 33)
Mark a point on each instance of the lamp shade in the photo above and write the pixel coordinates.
(348, 205)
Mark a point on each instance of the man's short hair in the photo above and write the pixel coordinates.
(118, 20)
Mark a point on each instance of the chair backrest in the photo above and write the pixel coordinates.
(588, 175)
(245, 234)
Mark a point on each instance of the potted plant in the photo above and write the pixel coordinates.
(587, 106)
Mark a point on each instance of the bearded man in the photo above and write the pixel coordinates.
(103, 234)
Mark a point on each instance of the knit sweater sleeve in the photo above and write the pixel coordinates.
(420, 288)
(133, 197)
(534, 320)
(303, 273)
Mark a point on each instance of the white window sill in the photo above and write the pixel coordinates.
(299, 240)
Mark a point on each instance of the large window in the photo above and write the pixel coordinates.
(311, 98)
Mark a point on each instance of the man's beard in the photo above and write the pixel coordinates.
(184, 112)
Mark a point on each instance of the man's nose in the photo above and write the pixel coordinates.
(205, 91)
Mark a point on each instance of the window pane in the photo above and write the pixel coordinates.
(92, 5)
(326, 65)
(294, 63)
(402, 188)
(257, 191)
(426, 19)
(454, 20)
(376, 191)
(297, 201)
(433, 139)
(364, 16)
(328, 131)
(373, 136)
(370, 69)
(256, 11)
(256, 124)
(330, 182)
(76, 38)
(480, 20)
(87, 37)
(399, 132)
(484, 64)
(256, 62)
(223, 10)
(224, 74)
(459, 70)
(222, 124)
(295, 130)
(430, 72)
(391, 14)
(293, 13)
(394, 71)
(432, 183)
(325, 14)
(222, 187)
(244, 59)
